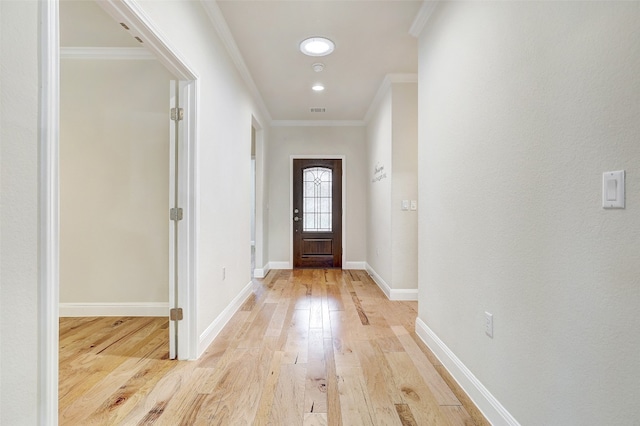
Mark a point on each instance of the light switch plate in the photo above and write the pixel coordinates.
(404, 205)
(613, 192)
(414, 205)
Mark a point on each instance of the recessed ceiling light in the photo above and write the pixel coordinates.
(318, 87)
(317, 46)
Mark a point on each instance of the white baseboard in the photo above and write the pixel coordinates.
(495, 413)
(141, 309)
(355, 265)
(261, 272)
(404, 294)
(378, 280)
(287, 265)
(279, 265)
(218, 324)
(391, 293)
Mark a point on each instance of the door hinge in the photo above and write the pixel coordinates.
(177, 114)
(175, 314)
(175, 213)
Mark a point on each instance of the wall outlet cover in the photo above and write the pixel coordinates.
(488, 324)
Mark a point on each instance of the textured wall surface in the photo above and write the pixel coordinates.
(114, 181)
(379, 177)
(523, 106)
(226, 110)
(392, 176)
(404, 224)
(19, 212)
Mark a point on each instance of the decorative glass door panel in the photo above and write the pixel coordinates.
(317, 199)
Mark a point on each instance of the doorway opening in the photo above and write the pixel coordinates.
(113, 187)
(186, 244)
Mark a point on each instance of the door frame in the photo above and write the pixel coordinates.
(259, 268)
(185, 246)
(49, 190)
(140, 25)
(344, 200)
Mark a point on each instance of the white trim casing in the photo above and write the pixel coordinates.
(262, 272)
(391, 293)
(142, 309)
(410, 294)
(361, 266)
(480, 395)
(207, 337)
(386, 289)
(344, 202)
(260, 210)
(107, 53)
(49, 222)
(280, 265)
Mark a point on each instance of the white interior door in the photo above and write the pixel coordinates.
(174, 216)
(182, 336)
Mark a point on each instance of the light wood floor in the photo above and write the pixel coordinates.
(309, 347)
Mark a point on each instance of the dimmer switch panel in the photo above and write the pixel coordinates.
(613, 190)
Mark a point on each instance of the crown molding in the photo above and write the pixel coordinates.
(317, 123)
(140, 53)
(222, 28)
(420, 21)
(388, 80)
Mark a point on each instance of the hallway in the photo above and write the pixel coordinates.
(309, 347)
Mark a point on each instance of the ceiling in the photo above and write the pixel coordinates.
(372, 40)
(371, 36)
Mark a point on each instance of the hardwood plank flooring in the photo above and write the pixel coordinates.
(308, 347)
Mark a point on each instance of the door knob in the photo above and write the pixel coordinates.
(295, 219)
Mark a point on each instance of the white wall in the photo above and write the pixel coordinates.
(392, 148)
(261, 199)
(287, 141)
(253, 200)
(224, 156)
(19, 212)
(114, 182)
(404, 224)
(379, 173)
(224, 142)
(523, 106)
